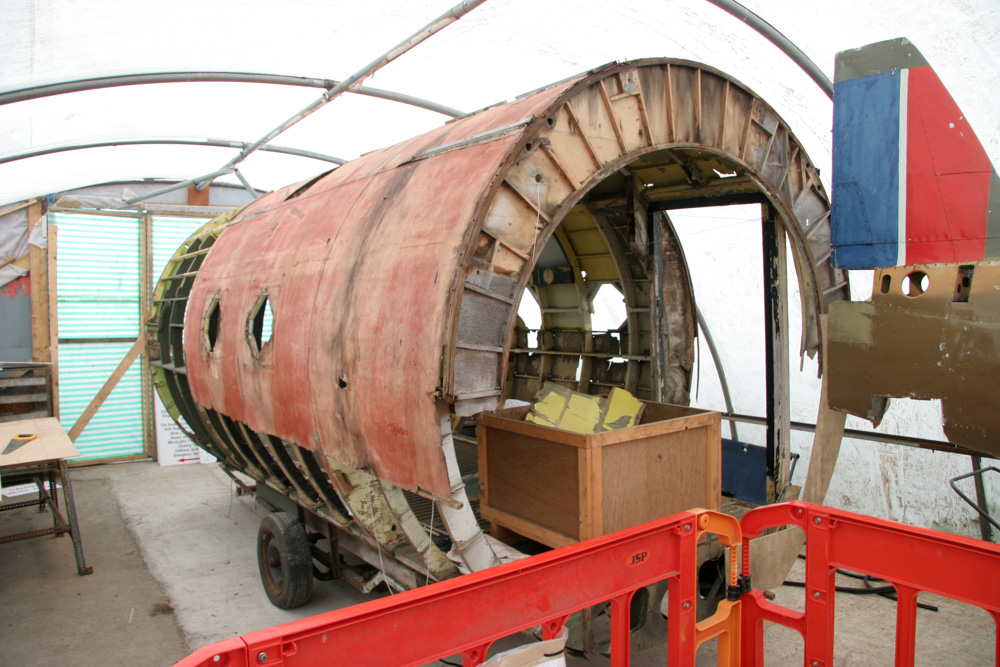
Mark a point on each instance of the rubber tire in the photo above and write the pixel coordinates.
(285, 560)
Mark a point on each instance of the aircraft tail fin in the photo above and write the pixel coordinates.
(911, 182)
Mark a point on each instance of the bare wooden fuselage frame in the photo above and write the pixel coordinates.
(394, 283)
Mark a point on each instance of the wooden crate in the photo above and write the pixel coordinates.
(558, 487)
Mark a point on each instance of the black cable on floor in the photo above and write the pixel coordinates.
(888, 591)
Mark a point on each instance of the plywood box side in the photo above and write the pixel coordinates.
(658, 476)
(552, 485)
(533, 479)
(715, 462)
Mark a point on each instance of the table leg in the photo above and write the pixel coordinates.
(81, 564)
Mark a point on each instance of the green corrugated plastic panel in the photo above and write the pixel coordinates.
(168, 235)
(116, 429)
(98, 319)
(98, 260)
(98, 256)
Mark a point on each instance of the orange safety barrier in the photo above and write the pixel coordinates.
(912, 559)
(467, 614)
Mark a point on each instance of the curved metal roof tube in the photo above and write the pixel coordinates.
(429, 30)
(774, 36)
(212, 143)
(79, 85)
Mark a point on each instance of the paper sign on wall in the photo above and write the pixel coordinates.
(173, 447)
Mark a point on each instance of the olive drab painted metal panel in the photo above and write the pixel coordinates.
(99, 313)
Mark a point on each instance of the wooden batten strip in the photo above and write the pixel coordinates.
(796, 149)
(722, 116)
(671, 121)
(146, 271)
(479, 348)
(788, 167)
(833, 288)
(53, 315)
(550, 154)
(105, 391)
(698, 105)
(766, 153)
(527, 200)
(17, 207)
(806, 184)
(643, 114)
(22, 262)
(596, 492)
(611, 115)
(583, 137)
(585, 491)
(511, 249)
(745, 144)
(75, 208)
(467, 395)
(816, 224)
(485, 292)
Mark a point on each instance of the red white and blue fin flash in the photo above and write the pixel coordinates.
(911, 182)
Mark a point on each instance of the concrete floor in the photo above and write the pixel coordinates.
(173, 552)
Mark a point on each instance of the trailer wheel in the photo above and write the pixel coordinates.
(285, 560)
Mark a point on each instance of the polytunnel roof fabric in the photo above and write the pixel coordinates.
(499, 50)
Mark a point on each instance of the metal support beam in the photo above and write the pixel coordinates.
(63, 87)
(783, 43)
(776, 354)
(246, 184)
(177, 186)
(435, 26)
(717, 358)
(984, 523)
(212, 143)
(353, 81)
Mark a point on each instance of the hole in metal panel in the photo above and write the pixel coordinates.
(305, 186)
(916, 283)
(963, 284)
(259, 325)
(608, 308)
(212, 323)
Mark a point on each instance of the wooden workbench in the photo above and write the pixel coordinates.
(42, 461)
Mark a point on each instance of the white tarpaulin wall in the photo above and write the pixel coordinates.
(499, 50)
